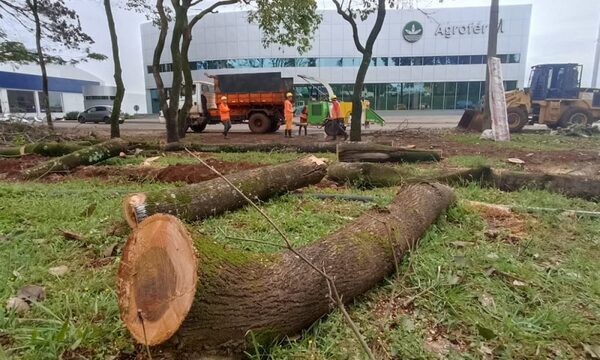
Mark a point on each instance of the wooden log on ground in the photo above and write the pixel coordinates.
(86, 156)
(583, 187)
(50, 149)
(316, 147)
(213, 197)
(368, 152)
(270, 295)
(365, 174)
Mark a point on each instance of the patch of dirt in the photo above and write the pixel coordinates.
(10, 168)
(194, 173)
(502, 223)
(100, 262)
(129, 172)
(78, 354)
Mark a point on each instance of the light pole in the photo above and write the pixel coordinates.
(596, 62)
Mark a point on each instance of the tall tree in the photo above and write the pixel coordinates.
(51, 21)
(491, 51)
(116, 110)
(351, 14)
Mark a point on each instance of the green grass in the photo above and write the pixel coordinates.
(533, 141)
(555, 310)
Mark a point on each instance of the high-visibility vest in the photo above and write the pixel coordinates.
(336, 110)
(224, 112)
(288, 110)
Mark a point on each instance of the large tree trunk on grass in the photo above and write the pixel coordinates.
(87, 156)
(367, 152)
(216, 196)
(366, 174)
(44, 149)
(300, 148)
(270, 295)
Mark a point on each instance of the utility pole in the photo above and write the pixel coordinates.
(596, 62)
(491, 52)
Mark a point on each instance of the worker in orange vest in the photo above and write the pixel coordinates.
(225, 117)
(288, 112)
(337, 117)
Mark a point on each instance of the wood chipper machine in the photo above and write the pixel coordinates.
(554, 98)
(319, 106)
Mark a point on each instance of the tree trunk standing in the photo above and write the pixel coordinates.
(188, 81)
(116, 111)
(355, 122)
(491, 52)
(33, 6)
(214, 197)
(271, 295)
(158, 50)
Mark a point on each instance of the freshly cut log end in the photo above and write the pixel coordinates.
(157, 279)
(134, 209)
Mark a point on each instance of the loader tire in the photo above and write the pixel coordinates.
(575, 115)
(517, 119)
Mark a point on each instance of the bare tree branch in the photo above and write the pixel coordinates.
(350, 19)
(209, 9)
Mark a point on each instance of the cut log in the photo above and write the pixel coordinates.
(86, 156)
(367, 152)
(315, 147)
(346, 197)
(50, 149)
(583, 187)
(365, 174)
(270, 295)
(213, 197)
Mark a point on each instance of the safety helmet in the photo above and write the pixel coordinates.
(333, 97)
(223, 97)
(289, 94)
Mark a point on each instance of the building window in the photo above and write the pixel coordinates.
(55, 100)
(20, 101)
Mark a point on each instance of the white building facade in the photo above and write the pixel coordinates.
(432, 59)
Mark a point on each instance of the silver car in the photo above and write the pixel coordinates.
(97, 114)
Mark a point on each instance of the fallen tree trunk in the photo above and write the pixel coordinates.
(235, 148)
(270, 295)
(86, 156)
(365, 174)
(346, 197)
(368, 152)
(213, 197)
(587, 188)
(50, 149)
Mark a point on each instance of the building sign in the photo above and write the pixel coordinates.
(413, 31)
(473, 28)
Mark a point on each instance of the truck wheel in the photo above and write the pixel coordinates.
(575, 115)
(275, 125)
(259, 123)
(517, 119)
(197, 128)
(331, 128)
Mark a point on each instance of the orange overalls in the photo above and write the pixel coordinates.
(288, 113)
(225, 118)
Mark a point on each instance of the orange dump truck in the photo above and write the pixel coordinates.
(256, 99)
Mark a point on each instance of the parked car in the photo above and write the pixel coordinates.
(97, 114)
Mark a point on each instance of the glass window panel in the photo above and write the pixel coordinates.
(149, 69)
(474, 96)
(393, 93)
(383, 61)
(20, 101)
(438, 96)
(510, 85)
(395, 61)
(369, 94)
(405, 61)
(464, 60)
(417, 61)
(350, 62)
(503, 58)
(462, 95)
(55, 99)
(373, 61)
(451, 60)
(330, 62)
(381, 96)
(439, 60)
(450, 96)
(514, 58)
(428, 60)
(426, 96)
(477, 59)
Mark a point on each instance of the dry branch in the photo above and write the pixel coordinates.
(270, 295)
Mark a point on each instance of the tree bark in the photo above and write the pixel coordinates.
(268, 295)
(366, 152)
(213, 197)
(158, 50)
(188, 86)
(366, 174)
(87, 156)
(491, 51)
(45, 149)
(116, 111)
(34, 6)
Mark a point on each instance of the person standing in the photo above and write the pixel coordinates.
(225, 117)
(303, 121)
(338, 118)
(288, 112)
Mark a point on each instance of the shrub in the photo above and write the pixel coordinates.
(71, 115)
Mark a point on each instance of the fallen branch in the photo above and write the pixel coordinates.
(368, 152)
(86, 156)
(269, 295)
(213, 197)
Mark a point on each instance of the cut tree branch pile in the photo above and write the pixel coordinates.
(213, 197)
(270, 295)
(86, 156)
(369, 152)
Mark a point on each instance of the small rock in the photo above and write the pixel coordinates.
(110, 250)
(31, 293)
(515, 161)
(122, 154)
(518, 283)
(487, 300)
(17, 305)
(58, 270)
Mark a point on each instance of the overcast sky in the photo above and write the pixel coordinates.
(561, 31)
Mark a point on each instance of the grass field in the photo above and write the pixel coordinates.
(479, 285)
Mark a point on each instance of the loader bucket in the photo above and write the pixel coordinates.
(471, 120)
